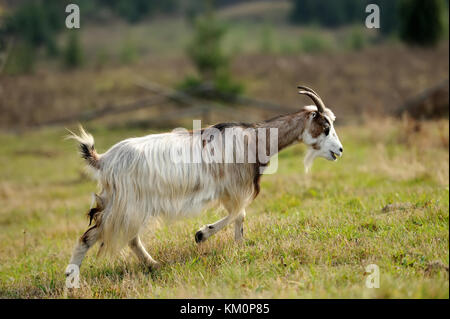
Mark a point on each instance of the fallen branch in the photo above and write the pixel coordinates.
(165, 95)
(187, 97)
(171, 94)
(106, 110)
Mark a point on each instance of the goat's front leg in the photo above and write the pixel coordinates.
(208, 230)
(137, 247)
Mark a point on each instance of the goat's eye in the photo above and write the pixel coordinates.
(327, 131)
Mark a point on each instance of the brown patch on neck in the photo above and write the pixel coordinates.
(290, 127)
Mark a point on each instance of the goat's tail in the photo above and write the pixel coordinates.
(87, 149)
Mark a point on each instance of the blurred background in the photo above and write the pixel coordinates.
(161, 63)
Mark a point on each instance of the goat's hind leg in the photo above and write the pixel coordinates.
(85, 242)
(137, 247)
(90, 236)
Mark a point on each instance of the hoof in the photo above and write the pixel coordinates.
(151, 265)
(199, 237)
(71, 269)
(154, 266)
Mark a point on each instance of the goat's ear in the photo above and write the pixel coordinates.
(331, 115)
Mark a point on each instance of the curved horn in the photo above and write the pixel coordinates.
(317, 101)
(305, 88)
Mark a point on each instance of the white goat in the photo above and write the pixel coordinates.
(140, 179)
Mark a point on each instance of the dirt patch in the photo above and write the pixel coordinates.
(397, 206)
(434, 267)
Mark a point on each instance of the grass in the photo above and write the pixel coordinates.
(306, 236)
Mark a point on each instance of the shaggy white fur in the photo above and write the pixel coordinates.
(179, 174)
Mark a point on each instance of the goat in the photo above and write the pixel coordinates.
(139, 180)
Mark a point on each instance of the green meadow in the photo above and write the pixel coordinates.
(385, 202)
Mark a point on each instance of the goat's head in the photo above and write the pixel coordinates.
(319, 133)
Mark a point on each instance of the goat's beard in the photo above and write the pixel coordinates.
(311, 154)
